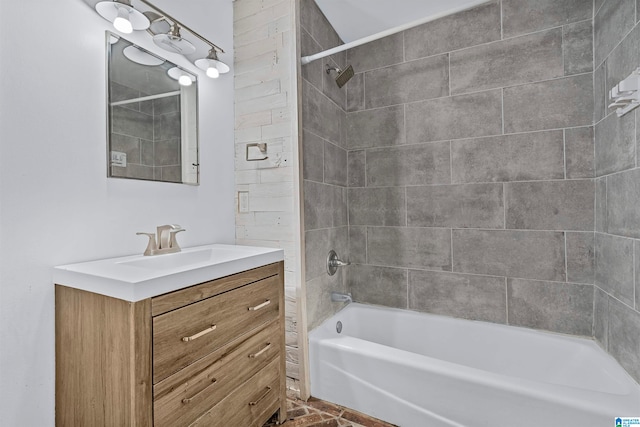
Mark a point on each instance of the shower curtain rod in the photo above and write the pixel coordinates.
(307, 59)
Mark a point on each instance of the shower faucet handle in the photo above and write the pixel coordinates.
(340, 263)
(333, 262)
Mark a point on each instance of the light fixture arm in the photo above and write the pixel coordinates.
(175, 30)
(213, 54)
(177, 24)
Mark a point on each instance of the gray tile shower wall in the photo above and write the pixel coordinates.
(325, 165)
(471, 168)
(486, 177)
(617, 222)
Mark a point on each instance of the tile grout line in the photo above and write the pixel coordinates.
(366, 244)
(452, 250)
(504, 205)
(404, 46)
(502, 107)
(470, 183)
(483, 229)
(449, 71)
(406, 211)
(407, 293)
(564, 152)
(365, 170)
(364, 92)
(562, 46)
(451, 162)
(635, 296)
(566, 263)
(485, 275)
(404, 122)
(501, 22)
(506, 300)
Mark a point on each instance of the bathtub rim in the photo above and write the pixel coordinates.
(327, 328)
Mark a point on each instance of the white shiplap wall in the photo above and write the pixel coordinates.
(266, 112)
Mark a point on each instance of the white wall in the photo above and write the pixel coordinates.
(56, 204)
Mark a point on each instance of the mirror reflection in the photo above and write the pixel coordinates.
(152, 107)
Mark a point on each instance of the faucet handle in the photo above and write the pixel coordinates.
(164, 239)
(174, 243)
(152, 245)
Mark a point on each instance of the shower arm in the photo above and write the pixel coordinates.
(310, 58)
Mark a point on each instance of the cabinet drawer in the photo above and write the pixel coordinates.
(251, 404)
(183, 336)
(185, 396)
(171, 301)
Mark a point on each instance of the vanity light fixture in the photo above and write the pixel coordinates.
(184, 78)
(212, 65)
(125, 18)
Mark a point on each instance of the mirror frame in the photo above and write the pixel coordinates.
(189, 135)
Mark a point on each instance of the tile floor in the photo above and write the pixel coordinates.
(318, 413)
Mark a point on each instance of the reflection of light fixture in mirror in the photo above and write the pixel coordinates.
(184, 78)
(212, 65)
(133, 53)
(124, 17)
(173, 42)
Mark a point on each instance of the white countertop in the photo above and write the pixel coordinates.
(134, 278)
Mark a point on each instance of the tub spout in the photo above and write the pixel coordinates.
(340, 297)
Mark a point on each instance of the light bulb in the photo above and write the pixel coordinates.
(213, 72)
(122, 23)
(185, 80)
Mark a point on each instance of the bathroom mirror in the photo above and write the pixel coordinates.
(152, 118)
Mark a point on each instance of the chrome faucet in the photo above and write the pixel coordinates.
(164, 241)
(333, 262)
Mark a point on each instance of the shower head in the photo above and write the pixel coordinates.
(343, 75)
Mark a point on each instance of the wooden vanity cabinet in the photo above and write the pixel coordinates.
(207, 355)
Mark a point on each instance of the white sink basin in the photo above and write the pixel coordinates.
(173, 261)
(138, 277)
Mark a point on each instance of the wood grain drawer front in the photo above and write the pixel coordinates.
(251, 404)
(184, 397)
(183, 336)
(174, 300)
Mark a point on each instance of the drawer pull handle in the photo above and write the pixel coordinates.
(199, 334)
(261, 351)
(259, 306)
(255, 402)
(189, 399)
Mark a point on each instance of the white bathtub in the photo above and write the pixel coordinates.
(422, 370)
